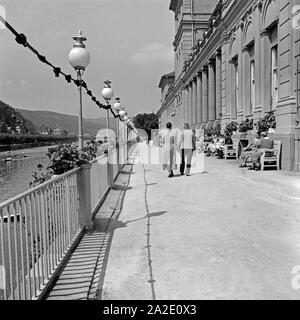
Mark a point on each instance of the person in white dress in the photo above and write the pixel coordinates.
(168, 140)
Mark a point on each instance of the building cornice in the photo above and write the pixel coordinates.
(187, 26)
(171, 97)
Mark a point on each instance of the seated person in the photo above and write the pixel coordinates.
(220, 147)
(225, 141)
(207, 140)
(228, 139)
(212, 147)
(264, 143)
(248, 151)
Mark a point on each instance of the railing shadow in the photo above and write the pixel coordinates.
(107, 227)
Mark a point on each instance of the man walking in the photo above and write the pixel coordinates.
(187, 144)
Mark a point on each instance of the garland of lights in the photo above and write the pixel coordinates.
(22, 40)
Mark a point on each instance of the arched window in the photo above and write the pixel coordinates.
(234, 62)
(249, 66)
(270, 15)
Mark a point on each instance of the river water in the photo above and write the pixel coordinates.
(16, 175)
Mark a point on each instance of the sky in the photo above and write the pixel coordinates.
(130, 43)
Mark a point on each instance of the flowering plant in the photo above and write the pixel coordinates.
(267, 122)
(230, 127)
(246, 125)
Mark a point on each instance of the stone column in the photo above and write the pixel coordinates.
(194, 102)
(211, 91)
(190, 117)
(185, 104)
(199, 98)
(218, 86)
(204, 94)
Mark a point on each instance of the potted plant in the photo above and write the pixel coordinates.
(231, 127)
(216, 129)
(246, 126)
(267, 123)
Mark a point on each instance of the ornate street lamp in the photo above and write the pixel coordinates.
(79, 58)
(117, 107)
(122, 113)
(107, 94)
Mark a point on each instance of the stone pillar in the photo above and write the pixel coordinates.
(190, 103)
(199, 98)
(204, 95)
(194, 102)
(211, 91)
(218, 86)
(185, 104)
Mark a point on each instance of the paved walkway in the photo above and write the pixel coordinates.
(229, 233)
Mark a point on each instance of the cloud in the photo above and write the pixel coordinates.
(153, 52)
(24, 83)
(5, 83)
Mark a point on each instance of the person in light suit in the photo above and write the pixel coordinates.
(186, 146)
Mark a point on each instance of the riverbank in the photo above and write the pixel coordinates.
(5, 148)
(16, 175)
(10, 142)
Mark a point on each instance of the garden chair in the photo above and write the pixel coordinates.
(271, 157)
(232, 150)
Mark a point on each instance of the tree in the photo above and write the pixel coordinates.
(3, 127)
(146, 122)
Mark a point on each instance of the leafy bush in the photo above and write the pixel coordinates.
(89, 152)
(64, 158)
(246, 125)
(267, 122)
(230, 127)
(216, 129)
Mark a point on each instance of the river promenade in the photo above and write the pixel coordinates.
(228, 233)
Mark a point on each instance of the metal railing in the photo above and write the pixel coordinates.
(36, 230)
(99, 181)
(38, 227)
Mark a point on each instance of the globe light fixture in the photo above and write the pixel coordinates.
(79, 58)
(117, 105)
(107, 94)
(122, 113)
(107, 91)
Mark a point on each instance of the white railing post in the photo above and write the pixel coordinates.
(85, 197)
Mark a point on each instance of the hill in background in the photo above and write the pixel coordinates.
(68, 122)
(10, 118)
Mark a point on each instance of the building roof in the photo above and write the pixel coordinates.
(168, 76)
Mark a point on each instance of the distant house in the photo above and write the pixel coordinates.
(59, 130)
(18, 129)
(44, 130)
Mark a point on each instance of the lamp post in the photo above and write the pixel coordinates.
(107, 94)
(79, 58)
(117, 107)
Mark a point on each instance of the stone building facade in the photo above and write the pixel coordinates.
(237, 59)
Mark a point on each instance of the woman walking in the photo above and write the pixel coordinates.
(168, 138)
